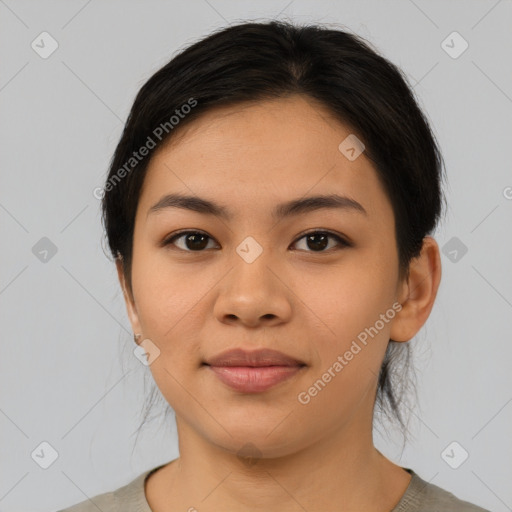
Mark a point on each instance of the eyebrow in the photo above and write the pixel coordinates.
(287, 209)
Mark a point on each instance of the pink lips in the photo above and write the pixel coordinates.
(253, 372)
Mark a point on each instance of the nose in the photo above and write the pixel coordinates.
(253, 295)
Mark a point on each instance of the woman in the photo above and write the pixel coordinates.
(269, 207)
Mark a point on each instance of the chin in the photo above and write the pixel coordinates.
(251, 448)
(268, 437)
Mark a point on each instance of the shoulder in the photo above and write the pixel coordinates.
(128, 498)
(422, 496)
(106, 502)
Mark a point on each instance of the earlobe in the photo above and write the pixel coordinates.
(418, 292)
(128, 298)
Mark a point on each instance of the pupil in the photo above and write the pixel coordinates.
(317, 245)
(197, 241)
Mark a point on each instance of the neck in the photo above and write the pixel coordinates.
(341, 471)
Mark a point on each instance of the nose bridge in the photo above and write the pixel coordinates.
(251, 274)
(252, 292)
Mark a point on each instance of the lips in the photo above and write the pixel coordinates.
(255, 371)
(256, 358)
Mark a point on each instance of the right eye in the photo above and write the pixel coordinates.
(193, 241)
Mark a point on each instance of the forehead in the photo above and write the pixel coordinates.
(249, 155)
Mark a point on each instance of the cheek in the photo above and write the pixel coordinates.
(350, 297)
(350, 343)
(352, 308)
(167, 299)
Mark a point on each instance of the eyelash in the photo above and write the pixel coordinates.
(175, 236)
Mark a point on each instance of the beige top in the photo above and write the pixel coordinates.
(420, 496)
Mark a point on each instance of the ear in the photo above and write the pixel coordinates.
(418, 292)
(131, 307)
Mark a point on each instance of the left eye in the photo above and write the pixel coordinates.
(196, 241)
(319, 240)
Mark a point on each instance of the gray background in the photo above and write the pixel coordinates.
(68, 376)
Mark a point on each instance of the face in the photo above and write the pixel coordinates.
(317, 282)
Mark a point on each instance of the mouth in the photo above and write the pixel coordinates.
(255, 371)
